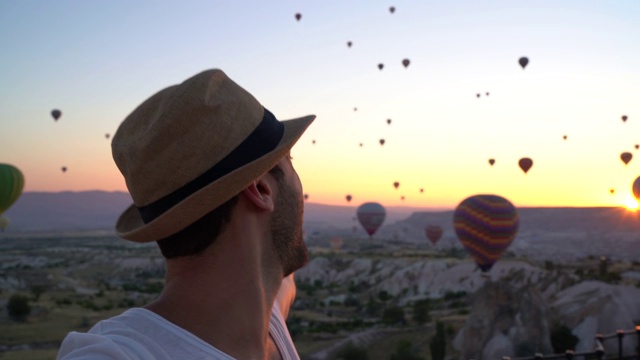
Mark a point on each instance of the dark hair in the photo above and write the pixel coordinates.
(198, 236)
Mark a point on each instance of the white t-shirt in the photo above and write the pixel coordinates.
(141, 334)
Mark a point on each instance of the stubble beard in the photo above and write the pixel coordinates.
(286, 229)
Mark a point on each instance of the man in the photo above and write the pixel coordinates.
(212, 183)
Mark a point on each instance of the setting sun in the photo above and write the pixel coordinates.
(631, 204)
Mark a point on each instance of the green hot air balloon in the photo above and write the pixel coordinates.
(4, 222)
(11, 184)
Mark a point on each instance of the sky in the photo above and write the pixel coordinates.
(97, 60)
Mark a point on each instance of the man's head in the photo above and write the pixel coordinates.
(187, 151)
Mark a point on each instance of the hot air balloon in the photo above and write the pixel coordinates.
(626, 157)
(348, 197)
(306, 196)
(523, 61)
(371, 215)
(492, 161)
(485, 225)
(11, 185)
(313, 142)
(64, 169)
(478, 95)
(525, 164)
(4, 222)
(434, 233)
(56, 114)
(612, 191)
(396, 184)
(388, 121)
(637, 146)
(360, 144)
(336, 243)
(636, 188)
(355, 109)
(349, 43)
(392, 9)
(380, 66)
(406, 63)
(487, 93)
(624, 118)
(107, 136)
(402, 198)
(381, 142)
(421, 191)
(298, 16)
(564, 137)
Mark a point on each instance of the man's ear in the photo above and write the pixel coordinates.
(260, 193)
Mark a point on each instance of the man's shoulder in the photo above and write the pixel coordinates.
(136, 334)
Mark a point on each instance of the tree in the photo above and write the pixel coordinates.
(18, 307)
(405, 351)
(562, 339)
(353, 353)
(438, 343)
(393, 315)
(421, 311)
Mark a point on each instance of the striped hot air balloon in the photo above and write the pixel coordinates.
(486, 225)
(371, 215)
(434, 233)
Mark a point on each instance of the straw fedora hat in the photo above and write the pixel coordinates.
(190, 148)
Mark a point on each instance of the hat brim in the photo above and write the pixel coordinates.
(131, 227)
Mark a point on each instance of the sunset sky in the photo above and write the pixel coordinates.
(97, 60)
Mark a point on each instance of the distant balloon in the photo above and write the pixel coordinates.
(612, 191)
(523, 61)
(4, 222)
(349, 43)
(626, 157)
(298, 16)
(624, 118)
(434, 233)
(402, 198)
(380, 66)
(11, 185)
(637, 146)
(388, 121)
(406, 62)
(336, 243)
(525, 164)
(64, 169)
(360, 144)
(564, 137)
(396, 184)
(636, 188)
(487, 93)
(355, 109)
(421, 191)
(348, 197)
(313, 141)
(478, 95)
(392, 9)
(492, 161)
(486, 225)
(56, 114)
(306, 196)
(381, 142)
(107, 136)
(371, 215)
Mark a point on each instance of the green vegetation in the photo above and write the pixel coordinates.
(421, 311)
(352, 352)
(438, 343)
(562, 339)
(405, 351)
(18, 307)
(393, 316)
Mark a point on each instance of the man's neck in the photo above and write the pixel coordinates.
(224, 297)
